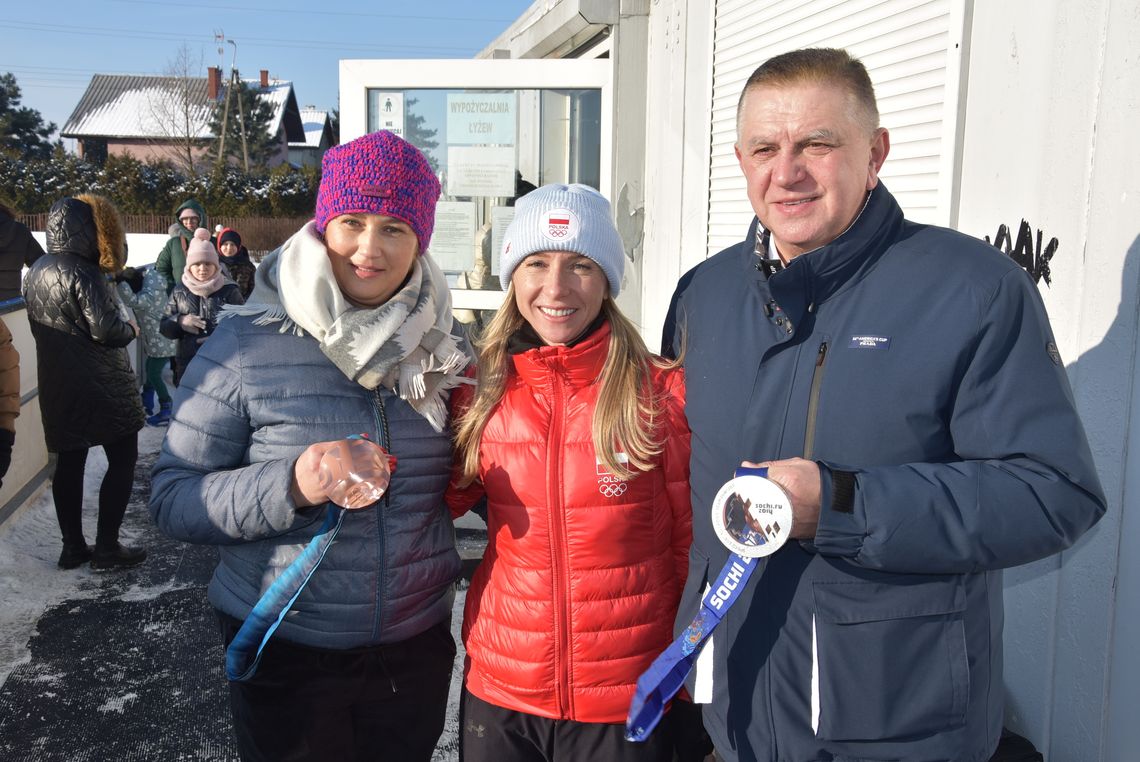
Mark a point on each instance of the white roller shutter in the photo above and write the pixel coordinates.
(911, 49)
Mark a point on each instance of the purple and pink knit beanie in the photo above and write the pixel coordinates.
(378, 173)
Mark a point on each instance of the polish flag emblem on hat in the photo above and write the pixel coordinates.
(559, 224)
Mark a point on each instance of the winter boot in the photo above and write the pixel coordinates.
(162, 417)
(74, 555)
(117, 556)
(148, 400)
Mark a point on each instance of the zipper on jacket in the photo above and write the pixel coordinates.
(385, 436)
(557, 528)
(386, 443)
(813, 400)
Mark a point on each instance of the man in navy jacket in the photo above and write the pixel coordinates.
(902, 384)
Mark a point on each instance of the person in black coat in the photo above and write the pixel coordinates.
(17, 249)
(192, 310)
(88, 395)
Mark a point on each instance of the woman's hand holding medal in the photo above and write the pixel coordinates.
(353, 473)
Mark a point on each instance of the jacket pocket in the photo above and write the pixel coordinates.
(888, 660)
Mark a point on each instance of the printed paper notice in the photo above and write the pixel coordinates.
(501, 216)
(481, 171)
(453, 240)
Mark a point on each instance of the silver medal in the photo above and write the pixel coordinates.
(752, 516)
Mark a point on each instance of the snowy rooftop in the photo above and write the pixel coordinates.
(136, 106)
(315, 121)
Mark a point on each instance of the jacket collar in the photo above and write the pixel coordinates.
(812, 278)
(579, 365)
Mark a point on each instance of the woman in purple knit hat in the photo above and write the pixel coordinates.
(348, 331)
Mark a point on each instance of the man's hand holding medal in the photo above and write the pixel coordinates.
(800, 481)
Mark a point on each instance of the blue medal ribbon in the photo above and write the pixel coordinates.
(244, 652)
(665, 676)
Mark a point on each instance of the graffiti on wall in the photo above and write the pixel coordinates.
(1026, 251)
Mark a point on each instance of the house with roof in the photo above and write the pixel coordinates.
(168, 118)
(319, 137)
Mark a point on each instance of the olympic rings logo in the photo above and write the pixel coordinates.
(613, 490)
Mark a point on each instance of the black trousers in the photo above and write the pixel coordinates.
(489, 733)
(114, 491)
(358, 705)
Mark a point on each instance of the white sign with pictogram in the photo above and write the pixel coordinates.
(386, 112)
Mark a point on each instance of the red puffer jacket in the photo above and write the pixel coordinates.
(579, 585)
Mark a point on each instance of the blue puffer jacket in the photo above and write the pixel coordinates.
(921, 361)
(242, 417)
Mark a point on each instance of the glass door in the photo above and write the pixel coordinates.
(493, 130)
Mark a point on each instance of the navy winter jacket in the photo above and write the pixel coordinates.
(251, 402)
(922, 361)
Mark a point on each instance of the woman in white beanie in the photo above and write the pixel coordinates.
(577, 437)
(192, 310)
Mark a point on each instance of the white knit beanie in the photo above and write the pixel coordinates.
(559, 217)
(200, 248)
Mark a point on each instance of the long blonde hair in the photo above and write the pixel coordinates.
(625, 418)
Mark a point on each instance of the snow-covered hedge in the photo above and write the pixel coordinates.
(31, 186)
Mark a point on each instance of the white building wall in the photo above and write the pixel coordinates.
(28, 470)
(1050, 124)
(678, 128)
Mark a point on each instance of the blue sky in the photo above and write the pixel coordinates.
(54, 47)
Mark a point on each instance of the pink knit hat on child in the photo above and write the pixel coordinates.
(200, 249)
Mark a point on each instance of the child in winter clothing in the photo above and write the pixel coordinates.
(192, 310)
(235, 258)
(144, 291)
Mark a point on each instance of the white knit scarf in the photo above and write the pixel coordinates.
(404, 344)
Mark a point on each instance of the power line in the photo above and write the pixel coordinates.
(320, 13)
(29, 67)
(308, 43)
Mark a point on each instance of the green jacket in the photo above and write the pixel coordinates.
(172, 259)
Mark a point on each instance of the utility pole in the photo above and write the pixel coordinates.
(240, 109)
(220, 37)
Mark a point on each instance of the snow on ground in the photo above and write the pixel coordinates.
(30, 581)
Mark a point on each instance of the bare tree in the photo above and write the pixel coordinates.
(179, 111)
